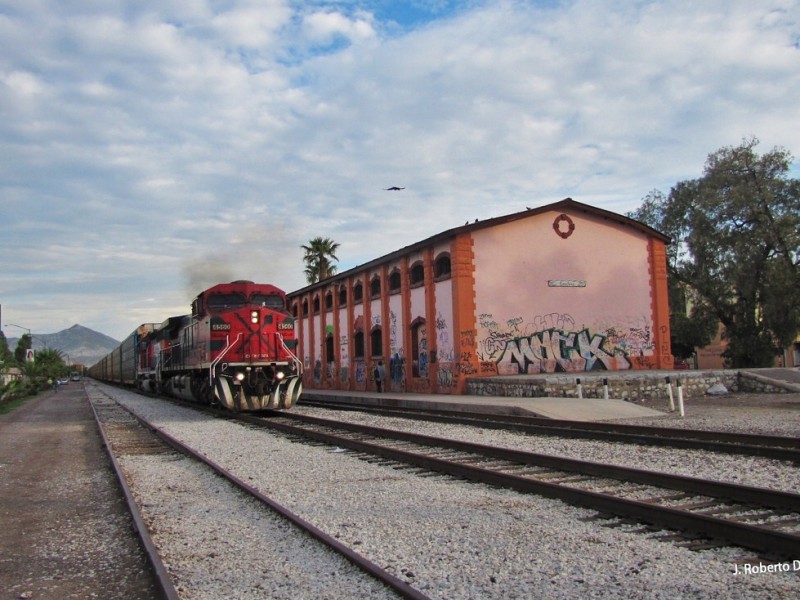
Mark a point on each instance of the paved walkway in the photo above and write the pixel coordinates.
(66, 532)
(787, 375)
(586, 409)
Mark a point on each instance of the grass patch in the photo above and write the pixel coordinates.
(9, 405)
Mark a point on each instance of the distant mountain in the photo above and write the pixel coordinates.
(83, 345)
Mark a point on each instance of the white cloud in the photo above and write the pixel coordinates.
(152, 141)
(323, 27)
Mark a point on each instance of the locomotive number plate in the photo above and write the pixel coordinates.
(220, 327)
(285, 325)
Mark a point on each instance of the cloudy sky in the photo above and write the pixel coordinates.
(152, 148)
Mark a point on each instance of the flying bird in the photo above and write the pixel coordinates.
(394, 188)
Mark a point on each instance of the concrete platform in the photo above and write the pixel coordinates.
(586, 409)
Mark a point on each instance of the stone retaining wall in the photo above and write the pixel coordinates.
(649, 385)
(753, 382)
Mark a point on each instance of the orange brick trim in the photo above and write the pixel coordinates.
(405, 307)
(659, 296)
(430, 319)
(465, 324)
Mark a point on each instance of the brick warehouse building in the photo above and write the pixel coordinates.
(565, 287)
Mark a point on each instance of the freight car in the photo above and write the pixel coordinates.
(235, 349)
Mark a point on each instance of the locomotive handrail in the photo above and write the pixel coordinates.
(298, 365)
(219, 358)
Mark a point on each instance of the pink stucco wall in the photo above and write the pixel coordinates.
(547, 302)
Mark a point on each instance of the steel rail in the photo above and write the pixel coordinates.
(775, 447)
(162, 577)
(403, 588)
(748, 536)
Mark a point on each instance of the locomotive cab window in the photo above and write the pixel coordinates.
(226, 301)
(273, 301)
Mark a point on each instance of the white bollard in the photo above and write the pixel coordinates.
(580, 389)
(680, 398)
(669, 393)
(605, 389)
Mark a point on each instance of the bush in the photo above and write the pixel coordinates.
(19, 388)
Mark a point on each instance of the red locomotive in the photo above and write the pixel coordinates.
(235, 349)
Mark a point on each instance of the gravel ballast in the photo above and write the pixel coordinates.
(454, 539)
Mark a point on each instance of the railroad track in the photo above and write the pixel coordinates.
(126, 434)
(765, 446)
(762, 520)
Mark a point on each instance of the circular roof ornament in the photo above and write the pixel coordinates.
(563, 226)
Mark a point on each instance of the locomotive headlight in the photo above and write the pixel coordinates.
(254, 316)
(279, 375)
(240, 376)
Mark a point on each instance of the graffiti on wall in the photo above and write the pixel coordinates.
(445, 354)
(466, 359)
(551, 343)
(444, 350)
(344, 373)
(393, 344)
(397, 367)
(423, 353)
(361, 372)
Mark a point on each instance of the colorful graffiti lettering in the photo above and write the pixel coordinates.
(554, 350)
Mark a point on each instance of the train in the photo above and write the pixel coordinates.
(235, 350)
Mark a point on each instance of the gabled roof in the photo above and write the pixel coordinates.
(562, 205)
(565, 205)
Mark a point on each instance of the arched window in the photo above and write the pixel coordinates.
(294, 309)
(329, 354)
(394, 281)
(329, 301)
(376, 342)
(358, 344)
(305, 308)
(316, 305)
(442, 266)
(417, 274)
(375, 286)
(358, 292)
(343, 296)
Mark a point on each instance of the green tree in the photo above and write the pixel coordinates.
(23, 345)
(49, 363)
(319, 256)
(692, 323)
(737, 236)
(6, 356)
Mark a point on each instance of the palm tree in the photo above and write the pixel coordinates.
(320, 252)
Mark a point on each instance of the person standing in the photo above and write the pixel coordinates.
(380, 374)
